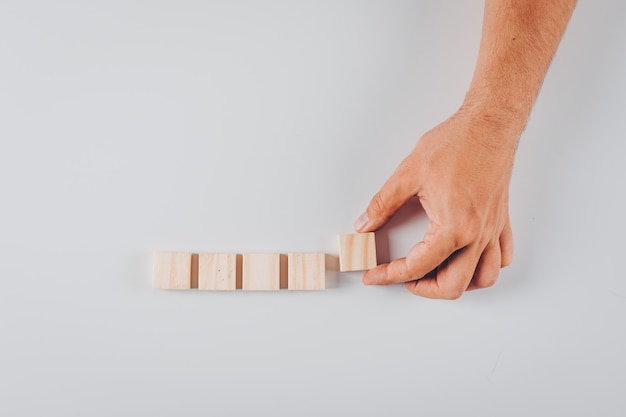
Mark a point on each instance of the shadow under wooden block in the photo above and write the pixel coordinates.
(306, 271)
(217, 271)
(261, 272)
(357, 252)
(172, 271)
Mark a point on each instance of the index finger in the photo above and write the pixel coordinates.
(422, 258)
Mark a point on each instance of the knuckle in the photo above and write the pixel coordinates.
(465, 234)
(487, 281)
(485, 239)
(452, 293)
(377, 206)
(446, 236)
(506, 261)
(414, 268)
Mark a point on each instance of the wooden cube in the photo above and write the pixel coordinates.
(357, 252)
(172, 271)
(306, 271)
(217, 271)
(261, 271)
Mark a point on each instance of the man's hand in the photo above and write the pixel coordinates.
(462, 182)
(461, 169)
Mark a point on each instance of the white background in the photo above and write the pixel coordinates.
(129, 127)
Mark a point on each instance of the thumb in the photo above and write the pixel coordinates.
(398, 189)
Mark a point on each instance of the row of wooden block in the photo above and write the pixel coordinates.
(229, 271)
(259, 271)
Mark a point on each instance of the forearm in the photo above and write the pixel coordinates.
(518, 42)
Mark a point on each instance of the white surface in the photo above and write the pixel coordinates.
(129, 127)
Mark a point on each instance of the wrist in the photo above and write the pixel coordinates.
(496, 111)
(502, 104)
(495, 127)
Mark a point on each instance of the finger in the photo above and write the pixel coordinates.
(398, 189)
(488, 268)
(422, 259)
(506, 245)
(431, 275)
(453, 276)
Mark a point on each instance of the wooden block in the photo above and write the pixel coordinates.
(306, 271)
(261, 271)
(357, 252)
(172, 271)
(217, 271)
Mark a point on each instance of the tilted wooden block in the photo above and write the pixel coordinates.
(217, 271)
(306, 271)
(172, 271)
(261, 271)
(357, 252)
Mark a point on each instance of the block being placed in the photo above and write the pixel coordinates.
(261, 271)
(306, 271)
(357, 252)
(172, 271)
(217, 271)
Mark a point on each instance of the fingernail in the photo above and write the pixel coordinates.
(361, 222)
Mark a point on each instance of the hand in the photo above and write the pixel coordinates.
(460, 171)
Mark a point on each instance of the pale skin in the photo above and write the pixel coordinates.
(461, 169)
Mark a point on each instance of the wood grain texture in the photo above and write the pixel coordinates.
(171, 270)
(357, 252)
(306, 271)
(261, 272)
(217, 271)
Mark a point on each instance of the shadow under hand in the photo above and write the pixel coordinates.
(402, 232)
